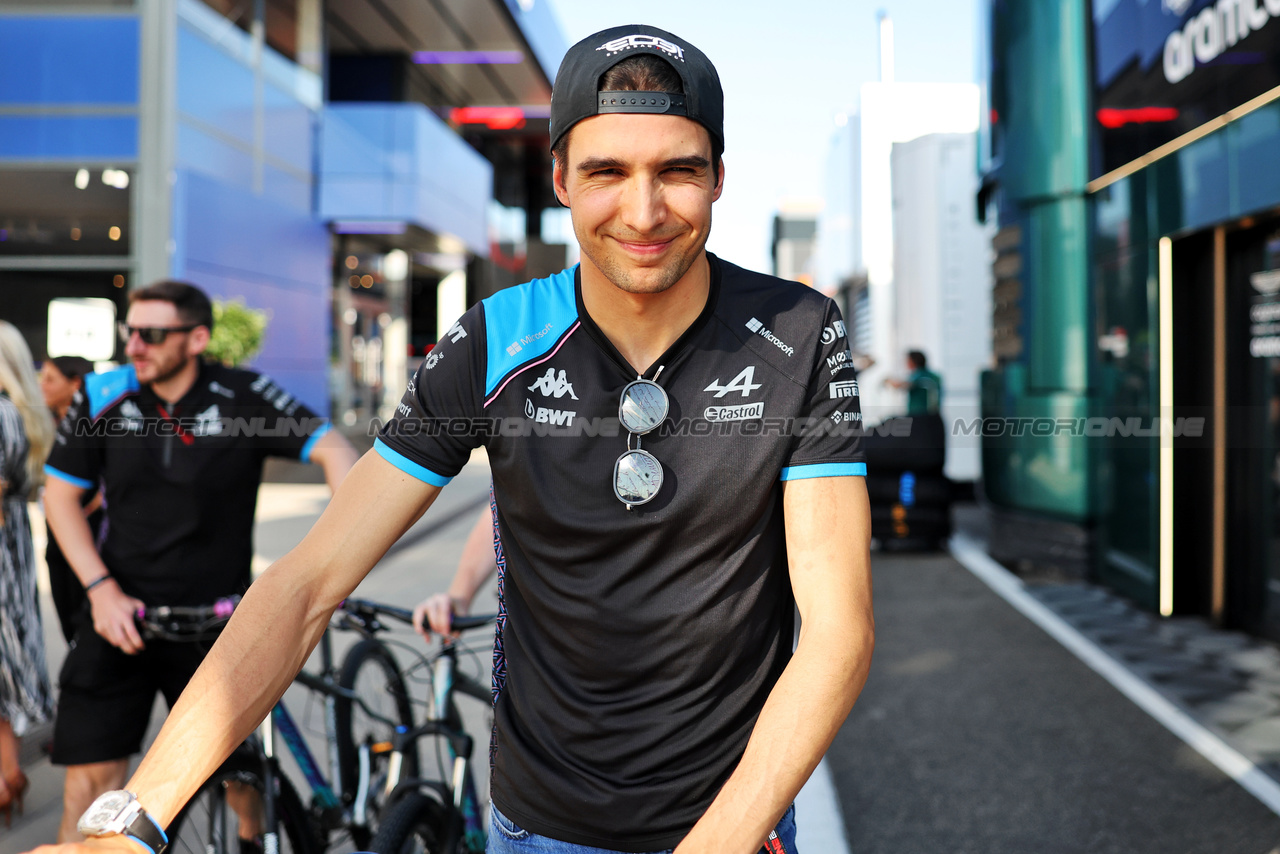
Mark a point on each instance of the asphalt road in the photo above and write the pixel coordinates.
(979, 733)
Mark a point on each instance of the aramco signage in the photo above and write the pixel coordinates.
(1164, 68)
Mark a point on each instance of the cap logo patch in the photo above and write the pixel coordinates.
(618, 45)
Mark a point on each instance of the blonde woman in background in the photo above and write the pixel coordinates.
(26, 436)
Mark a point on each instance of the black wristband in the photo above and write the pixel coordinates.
(93, 584)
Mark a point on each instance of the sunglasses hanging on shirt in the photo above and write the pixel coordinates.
(637, 474)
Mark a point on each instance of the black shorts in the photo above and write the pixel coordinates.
(106, 696)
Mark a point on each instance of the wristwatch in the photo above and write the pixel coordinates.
(118, 811)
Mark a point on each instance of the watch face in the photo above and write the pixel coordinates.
(105, 809)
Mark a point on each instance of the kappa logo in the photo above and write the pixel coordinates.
(832, 332)
(456, 333)
(618, 45)
(760, 329)
(843, 388)
(542, 415)
(129, 409)
(553, 386)
(743, 382)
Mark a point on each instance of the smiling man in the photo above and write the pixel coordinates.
(676, 469)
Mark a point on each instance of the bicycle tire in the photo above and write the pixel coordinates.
(371, 671)
(207, 824)
(414, 824)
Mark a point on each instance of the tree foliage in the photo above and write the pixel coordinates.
(238, 332)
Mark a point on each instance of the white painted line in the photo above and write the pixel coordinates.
(819, 828)
(1232, 763)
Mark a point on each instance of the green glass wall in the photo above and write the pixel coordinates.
(1039, 91)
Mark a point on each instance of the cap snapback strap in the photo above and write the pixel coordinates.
(610, 101)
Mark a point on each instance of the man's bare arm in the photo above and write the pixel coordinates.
(111, 609)
(274, 629)
(828, 524)
(334, 454)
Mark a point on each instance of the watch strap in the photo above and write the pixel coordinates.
(144, 830)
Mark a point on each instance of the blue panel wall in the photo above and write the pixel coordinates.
(400, 162)
(88, 63)
(64, 59)
(274, 257)
(69, 137)
(538, 25)
(213, 88)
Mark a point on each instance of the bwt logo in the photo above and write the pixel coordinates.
(542, 415)
(832, 332)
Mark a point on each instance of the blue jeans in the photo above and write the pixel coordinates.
(505, 837)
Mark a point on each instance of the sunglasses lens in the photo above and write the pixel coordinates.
(644, 406)
(637, 477)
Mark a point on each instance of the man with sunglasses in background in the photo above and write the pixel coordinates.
(676, 461)
(177, 444)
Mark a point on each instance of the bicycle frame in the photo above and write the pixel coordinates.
(325, 796)
(461, 792)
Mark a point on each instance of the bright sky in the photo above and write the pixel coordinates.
(788, 68)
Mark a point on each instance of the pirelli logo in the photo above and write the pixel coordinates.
(844, 388)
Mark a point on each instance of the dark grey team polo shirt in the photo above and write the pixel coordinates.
(640, 644)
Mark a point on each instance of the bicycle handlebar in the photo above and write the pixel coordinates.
(185, 622)
(367, 611)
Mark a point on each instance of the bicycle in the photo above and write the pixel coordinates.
(435, 816)
(365, 703)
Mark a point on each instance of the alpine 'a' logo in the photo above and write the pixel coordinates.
(743, 382)
(553, 386)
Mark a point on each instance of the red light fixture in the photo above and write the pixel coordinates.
(496, 118)
(1112, 118)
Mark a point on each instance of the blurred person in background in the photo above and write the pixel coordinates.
(180, 469)
(923, 386)
(478, 562)
(61, 379)
(26, 434)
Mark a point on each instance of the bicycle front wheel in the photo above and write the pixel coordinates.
(215, 818)
(417, 824)
(371, 673)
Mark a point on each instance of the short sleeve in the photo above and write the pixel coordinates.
(440, 419)
(77, 455)
(290, 428)
(828, 440)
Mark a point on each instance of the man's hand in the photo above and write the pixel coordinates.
(113, 615)
(435, 614)
(114, 844)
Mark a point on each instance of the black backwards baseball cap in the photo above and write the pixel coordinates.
(576, 94)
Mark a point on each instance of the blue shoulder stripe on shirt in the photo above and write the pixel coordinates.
(803, 472)
(106, 388)
(525, 322)
(305, 456)
(408, 466)
(69, 478)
